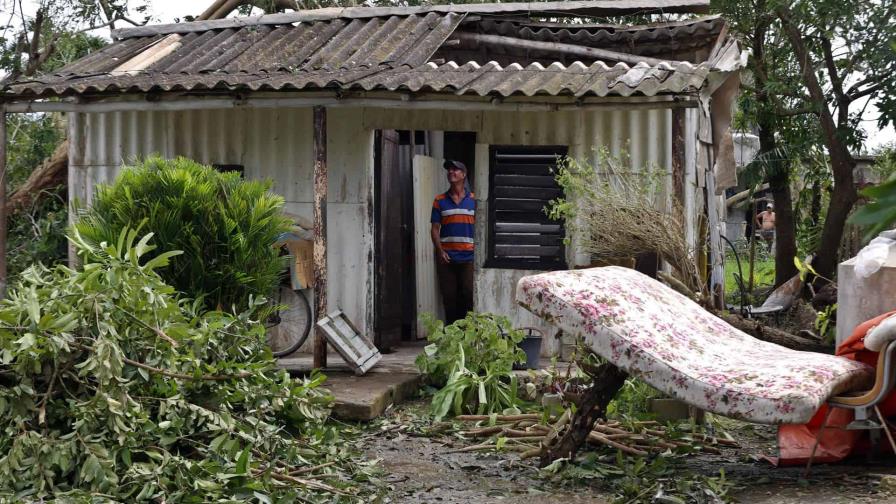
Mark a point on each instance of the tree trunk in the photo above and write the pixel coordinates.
(778, 172)
(842, 200)
(591, 406)
(842, 163)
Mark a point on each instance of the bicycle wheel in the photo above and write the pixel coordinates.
(288, 328)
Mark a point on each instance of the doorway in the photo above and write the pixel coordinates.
(408, 174)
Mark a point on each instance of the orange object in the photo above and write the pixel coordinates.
(795, 441)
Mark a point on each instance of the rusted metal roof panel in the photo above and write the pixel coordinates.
(593, 8)
(395, 53)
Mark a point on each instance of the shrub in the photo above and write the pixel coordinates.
(114, 389)
(224, 225)
(472, 360)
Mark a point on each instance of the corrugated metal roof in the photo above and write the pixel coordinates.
(593, 8)
(382, 53)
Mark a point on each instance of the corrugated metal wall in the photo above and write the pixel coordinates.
(645, 135)
(272, 143)
(276, 144)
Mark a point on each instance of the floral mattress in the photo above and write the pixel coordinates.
(669, 341)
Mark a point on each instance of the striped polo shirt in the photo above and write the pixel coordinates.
(457, 222)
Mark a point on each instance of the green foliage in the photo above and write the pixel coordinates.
(31, 138)
(641, 480)
(763, 270)
(632, 400)
(224, 225)
(880, 213)
(826, 324)
(472, 360)
(115, 388)
(38, 235)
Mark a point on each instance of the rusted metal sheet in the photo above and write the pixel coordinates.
(319, 130)
(523, 9)
(429, 180)
(402, 53)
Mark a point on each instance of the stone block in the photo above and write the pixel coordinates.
(861, 299)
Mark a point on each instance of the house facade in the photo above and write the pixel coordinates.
(350, 112)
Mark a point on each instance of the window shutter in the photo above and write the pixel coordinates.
(521, 236)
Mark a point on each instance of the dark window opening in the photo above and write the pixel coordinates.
(521, 185)
(230, 167)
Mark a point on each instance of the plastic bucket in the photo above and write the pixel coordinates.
(531, 344)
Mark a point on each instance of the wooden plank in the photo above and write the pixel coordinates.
(525, 181)
(523, 169)
(320, 231)
(522, 217)
(678, 155)
(526, 227)
(528, 239)
(526, 192)
(528, 157)
(526, 251)
(520, 205)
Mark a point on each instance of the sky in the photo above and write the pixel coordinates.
(165, 11)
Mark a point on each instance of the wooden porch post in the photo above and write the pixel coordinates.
(678, 155)
(3, 226)
(320, 232)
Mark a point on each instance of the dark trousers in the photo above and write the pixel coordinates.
(456, 284)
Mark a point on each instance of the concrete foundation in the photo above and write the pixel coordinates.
(861, 299)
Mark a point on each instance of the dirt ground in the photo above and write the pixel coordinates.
(425, 468)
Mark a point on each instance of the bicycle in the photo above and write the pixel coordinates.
(289, 323)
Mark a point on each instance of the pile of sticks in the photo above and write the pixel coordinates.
(527, 434)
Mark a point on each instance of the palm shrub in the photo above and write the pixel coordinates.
(224, 225)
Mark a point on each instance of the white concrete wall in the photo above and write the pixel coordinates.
(276, 144)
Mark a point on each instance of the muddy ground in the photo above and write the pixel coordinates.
(424, 467)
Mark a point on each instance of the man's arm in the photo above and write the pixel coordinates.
(437, 243)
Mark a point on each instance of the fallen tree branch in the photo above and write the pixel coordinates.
(557, 48)
(171, 374)
(772, 335)
(607, 380)
(52, 172)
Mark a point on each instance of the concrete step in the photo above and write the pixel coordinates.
(362, 398)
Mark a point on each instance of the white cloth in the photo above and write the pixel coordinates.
(874, 255)
(881, 334)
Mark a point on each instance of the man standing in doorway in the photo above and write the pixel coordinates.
(766, 222)
(453, 216)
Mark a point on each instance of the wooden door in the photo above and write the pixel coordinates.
(388, 252)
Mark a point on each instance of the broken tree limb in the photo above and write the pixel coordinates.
(52, 172)
(558, 48)
(753, 327)
(772, 335)
(607, 380)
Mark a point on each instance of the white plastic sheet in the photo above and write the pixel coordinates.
(874, 255)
